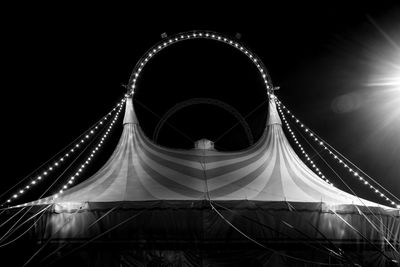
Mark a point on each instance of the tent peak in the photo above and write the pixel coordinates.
(130, 116)
(273, 116)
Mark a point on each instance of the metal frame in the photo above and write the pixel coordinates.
(209, 101)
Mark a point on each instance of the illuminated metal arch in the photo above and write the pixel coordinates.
(209, 101)
(190, 35)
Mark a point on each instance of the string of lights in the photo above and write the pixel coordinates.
(370, 222)
(308, 159)
(80, 169)
(197, 35)
(92, 154)
(342, 161)
(71, 149)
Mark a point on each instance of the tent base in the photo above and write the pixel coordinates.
(194, 233)
(119, 255)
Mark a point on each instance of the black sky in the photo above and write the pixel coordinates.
(63, 68)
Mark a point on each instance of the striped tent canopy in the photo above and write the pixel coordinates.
(203, 207)
(140, 170)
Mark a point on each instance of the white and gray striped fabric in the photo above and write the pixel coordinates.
(140, 170)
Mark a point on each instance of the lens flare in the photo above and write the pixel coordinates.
(384, 77)
(386, 73)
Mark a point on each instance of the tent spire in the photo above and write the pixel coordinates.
(273, 116)
(130, 116)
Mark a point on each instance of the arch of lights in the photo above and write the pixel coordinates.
(191, 35)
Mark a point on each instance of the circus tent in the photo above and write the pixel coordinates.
(140, 170)
(188, 207)
(151, 205)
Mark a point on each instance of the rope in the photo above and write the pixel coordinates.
(9, 219)
(360, 170)
(80, 230)
(210, 202)
(101, 234)
(376, 229)
(267, 248)
(12, 230)
(354, 193)
(12, 227)
(51, 185)
(104, 215)
(71, 164)
(48, 240)
(251, 239)
(341, 179)
(282, 233)
(21, 235)
(341, 252)
(365, 238)
(86, 147)
(348, 161)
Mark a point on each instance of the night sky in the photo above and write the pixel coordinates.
(65, 68)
